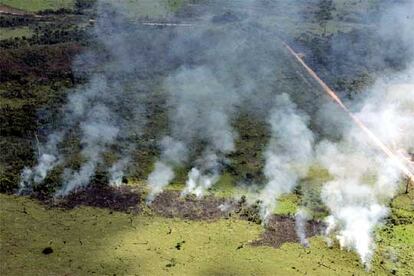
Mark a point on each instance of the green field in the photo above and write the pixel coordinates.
(6, 33)
(151, 8)
(38, 5)
(97, 241)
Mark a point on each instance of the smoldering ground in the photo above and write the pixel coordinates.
(364, 179)
(222, 61)
(220, 64)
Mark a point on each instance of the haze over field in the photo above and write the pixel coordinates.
(200, 92)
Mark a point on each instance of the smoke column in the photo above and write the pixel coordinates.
(173, 153)
(48, 159)
(301, 217)
(288, 155)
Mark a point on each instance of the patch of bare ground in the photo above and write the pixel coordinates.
(281, 229)
(4, 9)
(278, 230)
(171, 204)
(122, 199)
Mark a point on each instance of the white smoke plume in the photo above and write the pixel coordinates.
(104, 110)
(365, 179)
(173, 153)
(288, 155)
(160, 177)
(98, 132)
(354, 207)
(199, 182)
(116, 172)
(301, 218)
(48, 159)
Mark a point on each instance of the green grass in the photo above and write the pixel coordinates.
(6, 33)
(226, 187)
(395, 250)
(403, 209)
(38, 5)
(12, 103)
(152, 9)
(88, 240)
(287, 205)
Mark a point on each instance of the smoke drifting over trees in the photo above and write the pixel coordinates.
(289, 152)
(209, 72)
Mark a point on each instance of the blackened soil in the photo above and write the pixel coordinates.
(278, 230)
(281, 229)
(121, 199)
(171, 204)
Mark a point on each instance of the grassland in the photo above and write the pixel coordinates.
(6, 33)
(96, 241)
(154, 9)
(38, 5)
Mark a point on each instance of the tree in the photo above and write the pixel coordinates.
(408, 182)
(324, 13)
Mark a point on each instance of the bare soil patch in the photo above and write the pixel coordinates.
(4, 9)
(281, 229)
(171, 204)
(121, 199)
(278, 230)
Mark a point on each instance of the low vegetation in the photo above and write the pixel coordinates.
(21, 32)
(88, 240)
(38, 5)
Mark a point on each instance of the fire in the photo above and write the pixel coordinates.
(401, 163)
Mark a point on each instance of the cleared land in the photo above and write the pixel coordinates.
(89, 240)
(6, 33)
(38, 5)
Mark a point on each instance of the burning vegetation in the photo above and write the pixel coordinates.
(203, 113)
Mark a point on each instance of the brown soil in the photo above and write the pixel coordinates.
(121, 199)
(12, 11)
(124, 199)
(4, 9)
(45, 62)
(278, 230)
(171, 204)
(281, 229)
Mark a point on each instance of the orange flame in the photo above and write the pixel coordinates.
(358, 122)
